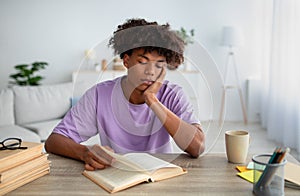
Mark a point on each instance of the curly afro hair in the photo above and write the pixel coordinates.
(138, 33)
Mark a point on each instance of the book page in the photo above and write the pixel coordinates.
(113, 179)
(158, 169)
(131, 169)
(124, 163)
(142, 162)
(148, 162)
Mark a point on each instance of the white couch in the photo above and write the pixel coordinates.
(32, 112)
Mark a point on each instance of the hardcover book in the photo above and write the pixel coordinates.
(12, 158)
(132, 169)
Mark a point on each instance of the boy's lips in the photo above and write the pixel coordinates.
(147, 82)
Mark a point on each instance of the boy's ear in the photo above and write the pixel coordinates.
(125, 60)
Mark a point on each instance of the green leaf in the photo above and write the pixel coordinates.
(22, 83)
(21, 67)
(35, 80)
(185, 36)
(15, 76)
(26, 74)
(39, 65)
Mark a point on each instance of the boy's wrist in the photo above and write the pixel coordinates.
(83, 151)
(150, 99)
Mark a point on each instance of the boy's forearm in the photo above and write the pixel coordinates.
(61, 145)
(188, 137)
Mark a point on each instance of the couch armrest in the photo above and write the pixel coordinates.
(6, 107)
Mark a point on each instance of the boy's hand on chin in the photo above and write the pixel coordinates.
(150, 92)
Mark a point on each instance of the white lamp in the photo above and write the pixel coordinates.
(232, 37)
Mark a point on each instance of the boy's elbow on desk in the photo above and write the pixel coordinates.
(196, 152)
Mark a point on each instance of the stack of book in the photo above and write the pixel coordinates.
(21, 166)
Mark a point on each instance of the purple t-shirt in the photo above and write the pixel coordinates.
(123, 126)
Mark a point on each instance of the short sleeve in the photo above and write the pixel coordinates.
(80, 122)
(174, 98)
(184, 109)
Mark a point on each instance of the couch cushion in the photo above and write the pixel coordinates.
(43, 129)
(6, 107)
(20, 132)
(39, 103)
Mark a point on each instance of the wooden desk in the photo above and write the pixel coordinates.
(207, 175)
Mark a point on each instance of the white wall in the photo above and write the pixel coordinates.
(58, 32)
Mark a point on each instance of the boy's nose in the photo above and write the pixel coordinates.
(150, 69)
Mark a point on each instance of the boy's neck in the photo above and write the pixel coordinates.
(133, 95)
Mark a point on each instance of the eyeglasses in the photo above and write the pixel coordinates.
(12, 144)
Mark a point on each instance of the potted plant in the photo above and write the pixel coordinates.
(26, 74)
(187, 36)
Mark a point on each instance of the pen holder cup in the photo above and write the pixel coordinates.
(268, 178)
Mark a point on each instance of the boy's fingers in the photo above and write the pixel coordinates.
(100, 155)
(88, 167)
(162, 75)
(93, 166)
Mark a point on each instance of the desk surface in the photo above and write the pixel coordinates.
(207, 175)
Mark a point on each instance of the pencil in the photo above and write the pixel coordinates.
(283, 155)
(274, 155)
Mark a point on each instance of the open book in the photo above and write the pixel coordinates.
(131, 169)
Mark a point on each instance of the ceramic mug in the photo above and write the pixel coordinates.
(237, 144)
